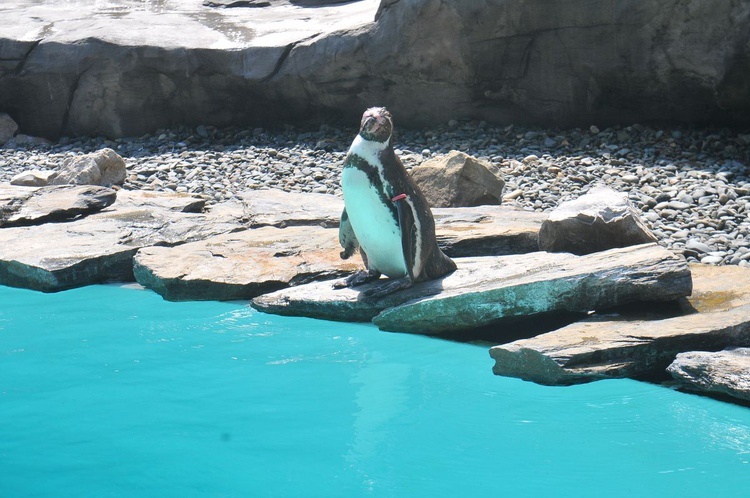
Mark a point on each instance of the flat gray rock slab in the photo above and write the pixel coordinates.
(99, 248)
(272, 207)
(722, 372)
(243, 265)
(621, 346)
(484, 290)
(21, 206)
(487, 230)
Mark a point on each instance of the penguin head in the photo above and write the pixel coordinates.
(377, 125)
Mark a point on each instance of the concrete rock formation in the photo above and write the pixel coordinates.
(266, 240)
(486, 230)
(79, 235)
(25, 207)
(485, 290)
(599, 220)
(723, 372)
(100, 247)
(242, 265)
(292, 242)
(564, 62)
(458, 180)
(278, 208)
(8, 128)
(634, 344)
(104, 167)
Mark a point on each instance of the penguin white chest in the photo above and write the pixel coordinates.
(373, 223)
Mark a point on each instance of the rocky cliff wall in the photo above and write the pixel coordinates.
(547, 62)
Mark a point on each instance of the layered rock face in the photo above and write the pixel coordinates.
(564, 62)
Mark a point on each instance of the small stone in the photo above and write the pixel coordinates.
(696, 245)
(711, 260)
(32, 178)
(594, 129)
(678, 205)
(513, 195)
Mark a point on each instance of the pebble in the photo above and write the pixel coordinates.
(698, 246)
(692, 185)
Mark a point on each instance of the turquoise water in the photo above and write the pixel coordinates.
(110, 391)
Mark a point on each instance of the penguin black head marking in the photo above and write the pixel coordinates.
(377, 125)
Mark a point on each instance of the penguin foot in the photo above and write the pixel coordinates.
(388, 287)
(359, 278)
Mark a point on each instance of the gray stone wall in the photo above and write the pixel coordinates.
(546, 62)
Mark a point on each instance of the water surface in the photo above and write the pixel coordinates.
(111, 391)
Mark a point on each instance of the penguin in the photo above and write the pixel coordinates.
(385, 214)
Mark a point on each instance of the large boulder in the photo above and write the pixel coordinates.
(458, 180)
(104, 167)
(561, 62)
(599, 220)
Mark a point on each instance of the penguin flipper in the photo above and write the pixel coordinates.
(347, 238)
(408, 232)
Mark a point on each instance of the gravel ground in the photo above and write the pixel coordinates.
(693, 185)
